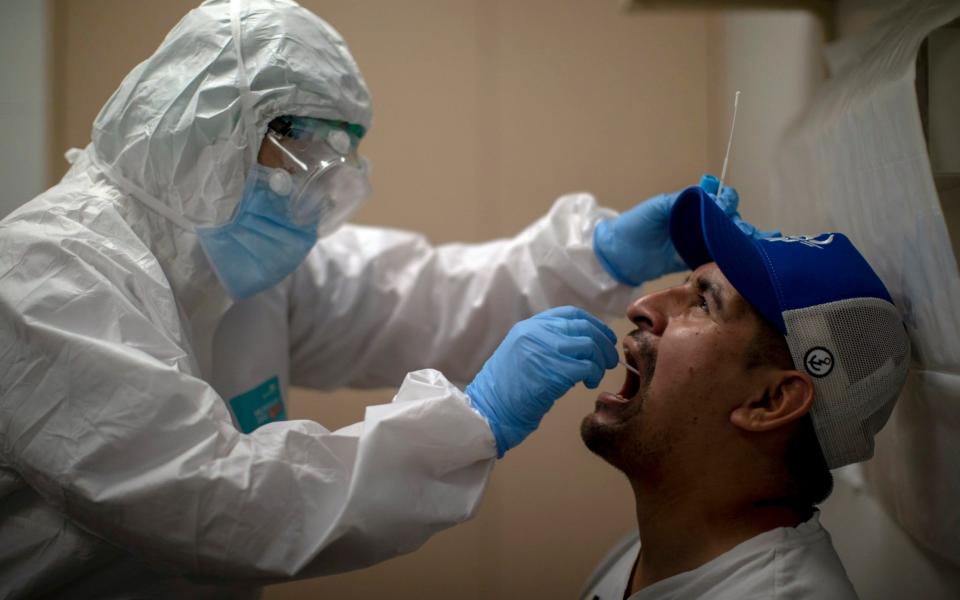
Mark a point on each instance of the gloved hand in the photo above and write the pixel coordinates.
(635, 247)
(539, 361)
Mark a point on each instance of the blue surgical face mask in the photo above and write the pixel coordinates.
(320, 182)
(261, 244)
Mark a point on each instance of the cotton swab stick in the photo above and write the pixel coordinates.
(726, 157)
(629, 368)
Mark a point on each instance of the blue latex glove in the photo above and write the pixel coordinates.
(539, 361)
(635, 247)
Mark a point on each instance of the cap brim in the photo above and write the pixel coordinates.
(702, 233)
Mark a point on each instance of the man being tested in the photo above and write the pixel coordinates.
(777, 360)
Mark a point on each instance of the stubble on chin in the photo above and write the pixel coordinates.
(619, 442)
(613, 442)
(600, 439)
(641, 456)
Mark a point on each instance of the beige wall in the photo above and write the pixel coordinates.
(774, 58)
(485, 111)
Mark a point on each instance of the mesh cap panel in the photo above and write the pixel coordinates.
(857, 353)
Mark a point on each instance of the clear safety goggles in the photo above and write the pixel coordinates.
(322, 174)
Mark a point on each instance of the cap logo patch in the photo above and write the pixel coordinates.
(806, 240)
(819, 361)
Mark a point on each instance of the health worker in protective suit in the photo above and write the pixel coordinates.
(156, 304)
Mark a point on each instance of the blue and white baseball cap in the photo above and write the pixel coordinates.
(837, 317)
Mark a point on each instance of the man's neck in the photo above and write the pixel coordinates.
(687, 527)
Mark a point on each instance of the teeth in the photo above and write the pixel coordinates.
(621, 397)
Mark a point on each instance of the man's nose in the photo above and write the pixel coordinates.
(650, 313)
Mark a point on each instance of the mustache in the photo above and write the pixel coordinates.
(645, 355)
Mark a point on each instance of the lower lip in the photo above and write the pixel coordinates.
(608, 399)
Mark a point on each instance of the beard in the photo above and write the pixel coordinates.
(619, 443)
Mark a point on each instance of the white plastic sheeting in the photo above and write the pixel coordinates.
(856, 161)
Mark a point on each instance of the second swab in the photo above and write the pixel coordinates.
(726, 157)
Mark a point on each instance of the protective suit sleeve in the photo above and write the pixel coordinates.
(176, 484)
(371, 304)
(101, 417)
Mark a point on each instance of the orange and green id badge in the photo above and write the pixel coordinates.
(259, 406)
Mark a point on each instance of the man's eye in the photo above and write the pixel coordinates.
(703, 303)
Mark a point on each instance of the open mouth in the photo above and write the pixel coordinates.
(631, 385)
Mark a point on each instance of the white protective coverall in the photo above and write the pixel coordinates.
(122, 469)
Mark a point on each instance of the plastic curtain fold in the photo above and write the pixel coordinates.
(856, 161)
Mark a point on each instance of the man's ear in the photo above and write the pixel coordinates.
(786, 396)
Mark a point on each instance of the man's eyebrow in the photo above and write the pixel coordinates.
(710, 287)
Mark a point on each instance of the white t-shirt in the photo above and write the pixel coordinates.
(783, 563)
